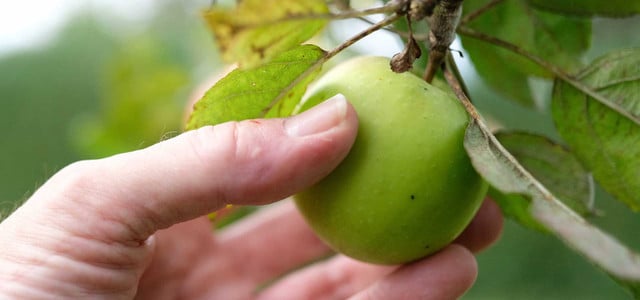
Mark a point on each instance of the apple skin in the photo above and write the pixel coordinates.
(407, 187)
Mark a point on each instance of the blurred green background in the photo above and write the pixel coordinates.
(106, 83)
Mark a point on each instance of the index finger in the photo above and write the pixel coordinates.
(249, 162)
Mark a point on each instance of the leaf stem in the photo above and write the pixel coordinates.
(558, 72)
(390, 7)
(451, 65)
(387, 21)
(375, 27)
(404, 34)
(458, 90)
(478, 12)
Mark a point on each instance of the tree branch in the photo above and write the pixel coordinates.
(453, 67)
(459, 90)
(442, 32)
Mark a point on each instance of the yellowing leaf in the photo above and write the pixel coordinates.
(257, 30)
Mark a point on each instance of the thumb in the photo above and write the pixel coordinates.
(248, 162)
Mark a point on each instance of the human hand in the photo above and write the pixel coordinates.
(132, 224)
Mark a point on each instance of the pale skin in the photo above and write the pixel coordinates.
(134, 225)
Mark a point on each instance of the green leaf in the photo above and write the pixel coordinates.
(257, 30)
(516, 207)
(606, 142)
(609, 8)
(504, 173)
(235, 214)
(270, 90)
(558, 39)
(555, 167)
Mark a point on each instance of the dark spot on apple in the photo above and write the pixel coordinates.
(413, 197)
(426, 246)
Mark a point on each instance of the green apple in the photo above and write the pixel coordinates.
(407, 187)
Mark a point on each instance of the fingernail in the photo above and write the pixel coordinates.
(320, 118)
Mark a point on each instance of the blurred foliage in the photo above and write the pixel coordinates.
(93, 92)
(41, 90)
(96, 90)
(146, 85)
(141, 101)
